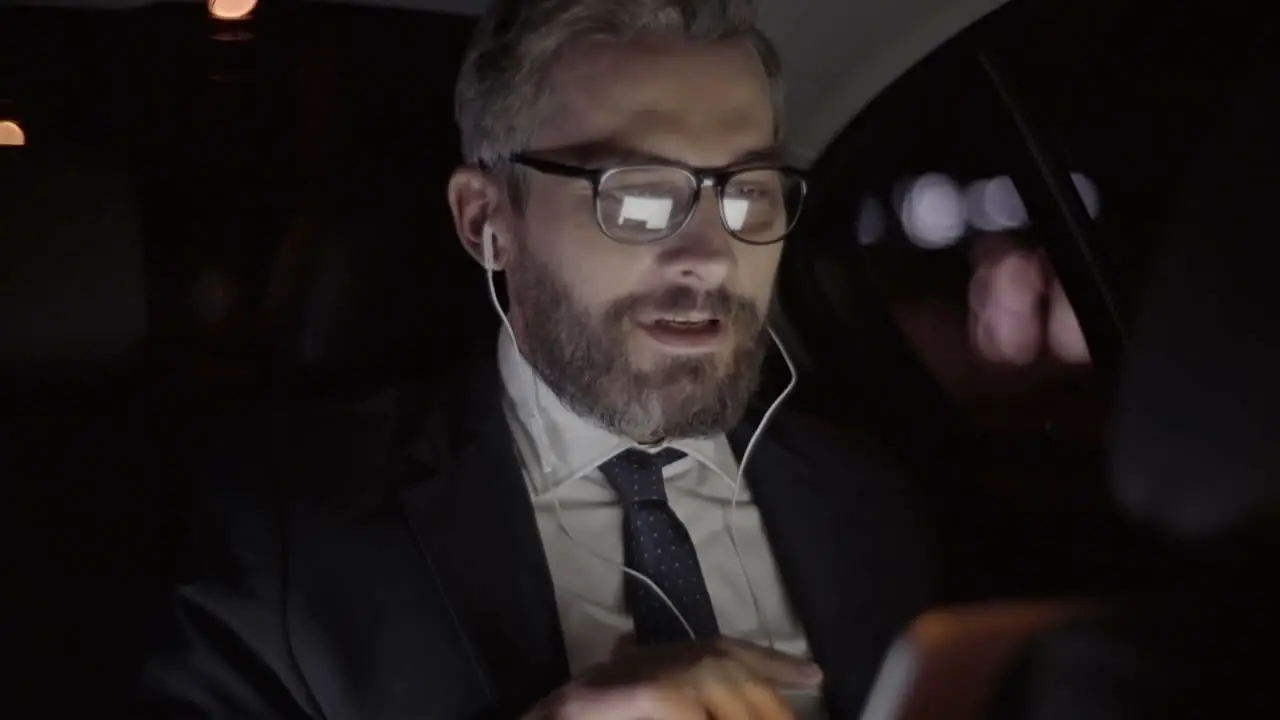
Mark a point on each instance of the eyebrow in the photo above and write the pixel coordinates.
(610, 155)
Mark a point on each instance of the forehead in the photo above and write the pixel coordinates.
(700, 102)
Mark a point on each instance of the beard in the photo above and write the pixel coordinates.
(583, 357)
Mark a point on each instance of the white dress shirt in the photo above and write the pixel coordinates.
(560, 453)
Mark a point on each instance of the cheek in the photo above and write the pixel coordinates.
(595, 270)
(601, 272)
(757, 269)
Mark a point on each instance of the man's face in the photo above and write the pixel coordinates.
(662, 339)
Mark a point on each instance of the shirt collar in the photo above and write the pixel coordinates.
(562, 443)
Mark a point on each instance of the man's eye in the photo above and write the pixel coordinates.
(750, 192)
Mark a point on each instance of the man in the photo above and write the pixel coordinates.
(564, 532)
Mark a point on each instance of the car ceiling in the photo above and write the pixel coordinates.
(838, 53)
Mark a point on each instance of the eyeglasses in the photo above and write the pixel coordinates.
(642, 204)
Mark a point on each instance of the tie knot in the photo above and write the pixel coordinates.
(636, 475)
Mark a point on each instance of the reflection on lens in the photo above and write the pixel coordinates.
(760, 206)
(653, 213)
(648, 204)
(645, 204)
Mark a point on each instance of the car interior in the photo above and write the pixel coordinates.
(204, 219)
(1191, 455)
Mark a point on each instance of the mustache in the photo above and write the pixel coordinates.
(719, 303)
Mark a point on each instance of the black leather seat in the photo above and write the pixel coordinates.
(72, 285)
(384, 291)
(78, 457)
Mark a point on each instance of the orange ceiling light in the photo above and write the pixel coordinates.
(11, 133)
(231, 9)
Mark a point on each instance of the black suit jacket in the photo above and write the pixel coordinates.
(382, 560)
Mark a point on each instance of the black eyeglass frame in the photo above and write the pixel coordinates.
(717, 178)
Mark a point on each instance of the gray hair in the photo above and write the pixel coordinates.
(504, 77)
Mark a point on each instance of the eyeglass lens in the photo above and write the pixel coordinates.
(647, 204)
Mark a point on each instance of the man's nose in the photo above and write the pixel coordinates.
(702, 253)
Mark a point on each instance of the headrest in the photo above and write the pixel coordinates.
(383, 292)
(72, 282)
(1199, 408)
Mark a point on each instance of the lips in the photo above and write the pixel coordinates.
(686, 334)
(693, 325)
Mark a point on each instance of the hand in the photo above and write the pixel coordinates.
(723, 679)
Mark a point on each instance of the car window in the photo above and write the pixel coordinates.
(929, 198)
(1127, 94)
(928, 184)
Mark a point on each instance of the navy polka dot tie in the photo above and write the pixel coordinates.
(657, 545)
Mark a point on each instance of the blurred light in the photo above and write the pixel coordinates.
(871, 222)
(1066, 338)
(975, 196)
(1004, 301)
(1088, 192)
(933, 212)
(231, 9)
(11, 133)
(995, 205)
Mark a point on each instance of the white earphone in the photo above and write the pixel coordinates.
(486, 242)
(487, 251)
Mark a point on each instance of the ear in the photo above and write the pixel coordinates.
(476, 201)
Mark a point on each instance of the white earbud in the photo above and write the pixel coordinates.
(486, 241)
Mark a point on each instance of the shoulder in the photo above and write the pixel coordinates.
(857, 467)
(353, 449)
(856, 446)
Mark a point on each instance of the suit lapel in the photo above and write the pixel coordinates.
(840, 522)
(846, 545)
(472, 516)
